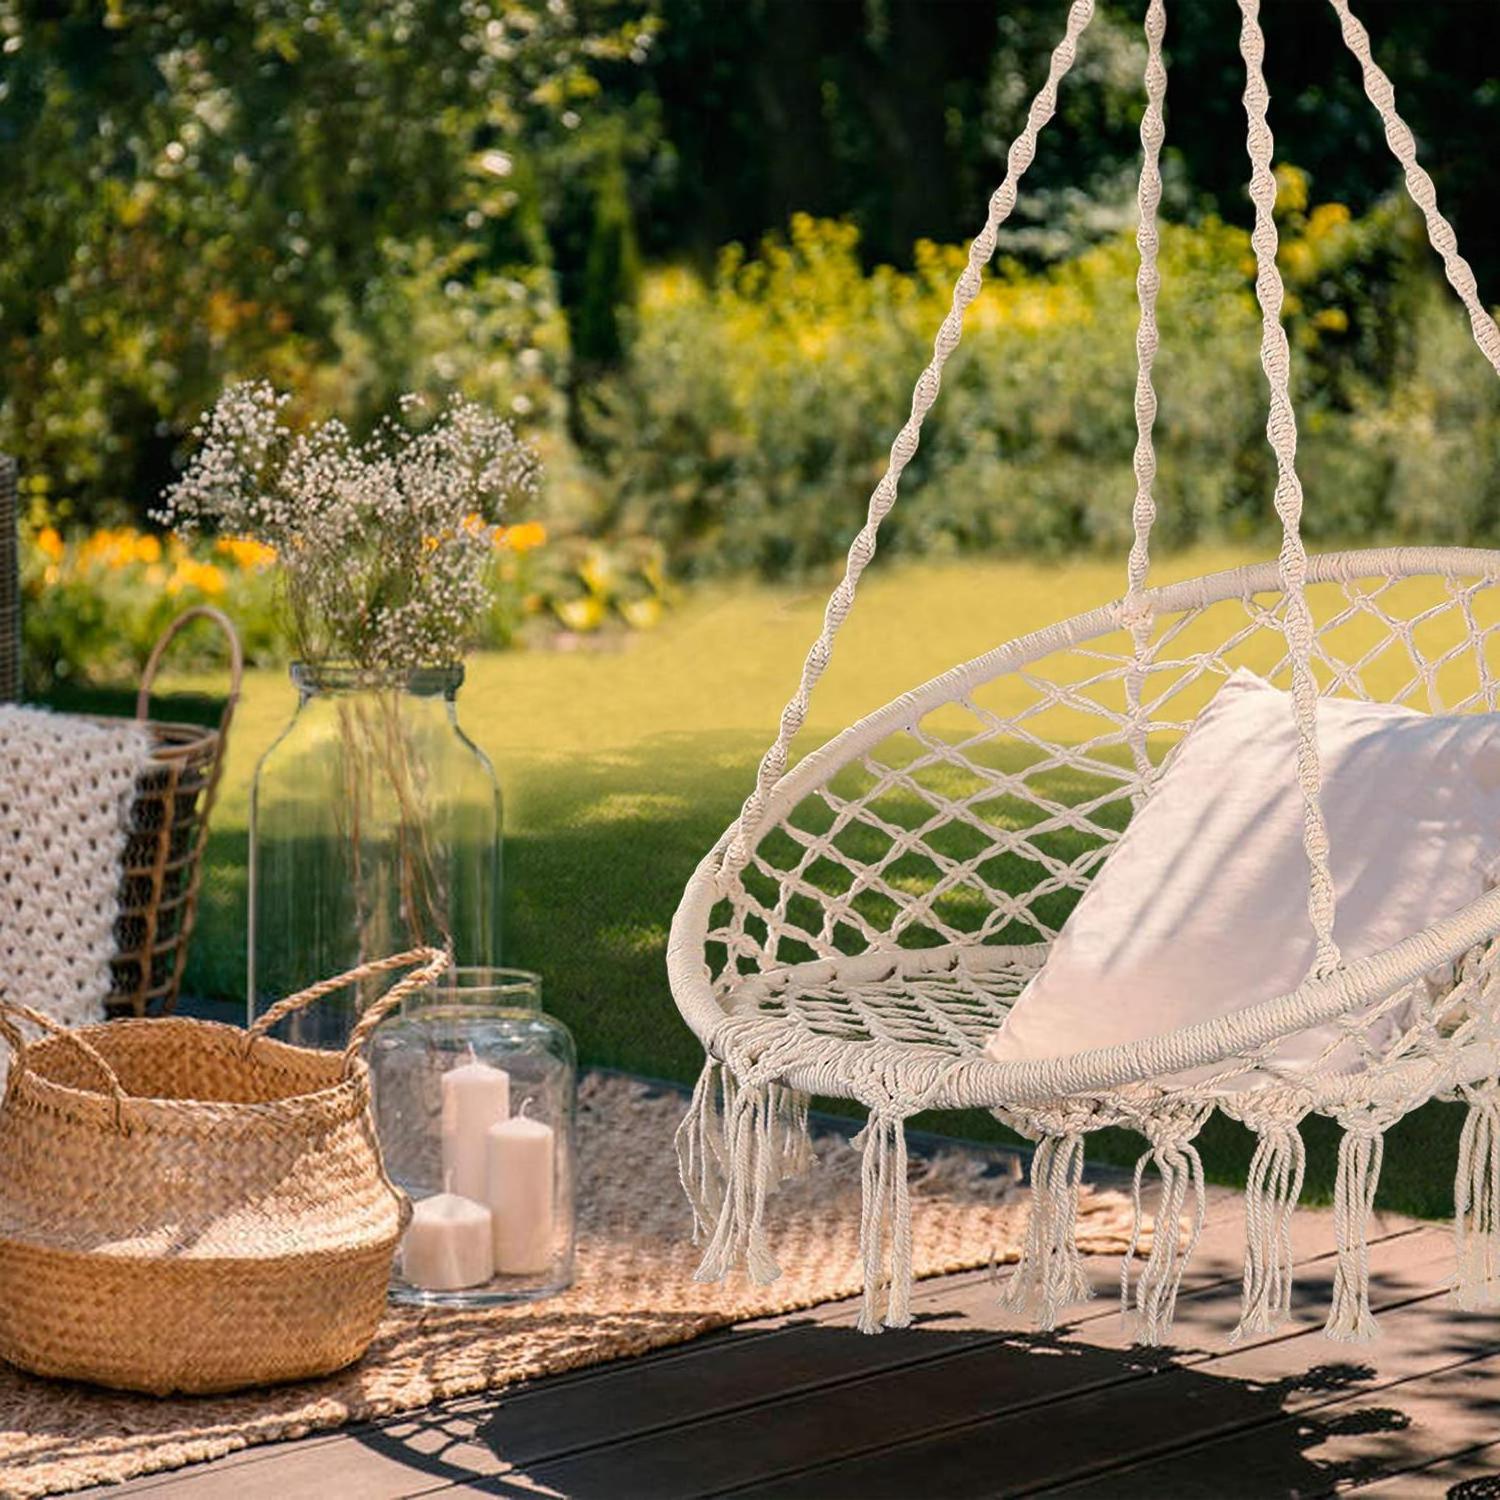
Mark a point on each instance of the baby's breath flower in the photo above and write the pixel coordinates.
(384, 546)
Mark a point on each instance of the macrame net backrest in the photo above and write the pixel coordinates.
(1281, 426)
(869, 919)
(983, 819)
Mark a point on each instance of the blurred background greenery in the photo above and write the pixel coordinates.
(697, 250)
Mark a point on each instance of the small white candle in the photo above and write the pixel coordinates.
(449, 1244)
(520, 1195)
(475, 1097)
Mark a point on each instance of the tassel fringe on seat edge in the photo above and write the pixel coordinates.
(1476, 1202)
(741, 1138)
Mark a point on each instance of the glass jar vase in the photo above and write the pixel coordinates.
(375, 826)
(475, 1093)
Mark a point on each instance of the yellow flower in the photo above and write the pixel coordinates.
(247, 554)
(1291, 189)
(50, 544)
(641, 614)
(580, 614)
(522, 537)
(1331, 320)
(1325, 218)
(119, 547)
(191, 574)
(597, 572)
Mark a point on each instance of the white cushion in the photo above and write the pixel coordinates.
(1201, 909)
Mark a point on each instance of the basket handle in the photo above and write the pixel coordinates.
(432, 960)
(12, 1011)
(159, 650)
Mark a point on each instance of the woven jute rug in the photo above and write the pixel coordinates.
(634, 1292)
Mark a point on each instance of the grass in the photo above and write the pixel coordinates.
(621, 767)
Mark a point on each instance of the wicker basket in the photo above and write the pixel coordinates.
(164, 851)
(187, 1206)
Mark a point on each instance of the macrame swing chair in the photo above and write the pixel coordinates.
(795, 986)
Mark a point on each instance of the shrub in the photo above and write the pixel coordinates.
(94, 604)
(753, 418)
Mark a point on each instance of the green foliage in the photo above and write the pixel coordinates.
(94, 605)
(611, 277)
(280, 188)
(751, 423)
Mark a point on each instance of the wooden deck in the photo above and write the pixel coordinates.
(961, 1405)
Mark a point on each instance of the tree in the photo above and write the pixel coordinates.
(201, 189)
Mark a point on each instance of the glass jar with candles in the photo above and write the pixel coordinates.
(475, 1094)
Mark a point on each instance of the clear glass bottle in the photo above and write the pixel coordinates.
(375, 826)
(475, 1099)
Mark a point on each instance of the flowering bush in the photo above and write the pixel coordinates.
(93, 605)
(754, 417)
(383, 547)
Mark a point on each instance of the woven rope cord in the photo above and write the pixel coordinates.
(1382, 94)
(1281, 432)
(1147, 286)
(966, 289)
(431, 961)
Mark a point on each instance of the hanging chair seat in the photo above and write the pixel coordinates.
(867, 923)
(1021, 765)
(865, 1013)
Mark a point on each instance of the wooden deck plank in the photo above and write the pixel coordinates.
(590, 1413)
(1387, 1431)
(999, 1395)
(953, 1296)
(617, 1401)
(1473, 1474)
(1253, 1398)
(534, 1425)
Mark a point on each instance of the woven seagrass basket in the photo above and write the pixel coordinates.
(164, 848)
(190, 1207)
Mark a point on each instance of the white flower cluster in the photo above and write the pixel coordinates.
(385, 545)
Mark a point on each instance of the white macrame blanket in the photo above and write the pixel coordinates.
(65, 795)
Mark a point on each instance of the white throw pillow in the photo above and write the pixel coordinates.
(1202, 907)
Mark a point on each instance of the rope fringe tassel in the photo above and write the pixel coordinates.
(1050, 1274)
(1271, 1192)
(885, 1223)
(739, 1140)
(1476, 1202)
(1361, 1150)
(1181, 1171)
(700, 1147)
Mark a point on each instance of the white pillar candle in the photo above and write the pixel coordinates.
(449, 1244)
(475, 1097)
(520, 1195)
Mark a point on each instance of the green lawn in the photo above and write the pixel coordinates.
(620, 767)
